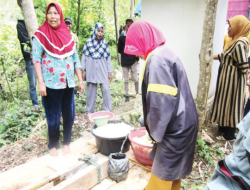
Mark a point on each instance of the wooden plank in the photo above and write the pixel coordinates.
(47, 186)
(137, 180)
(87, 178)
(61, 175)
(105, 184)
(35, 173)
(92, 142)
(37, 184)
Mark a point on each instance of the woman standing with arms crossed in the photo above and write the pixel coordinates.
(97, 69)
(55, 59)
(228, 107)
(169, 111)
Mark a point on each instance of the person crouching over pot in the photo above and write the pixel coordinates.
(170, 115)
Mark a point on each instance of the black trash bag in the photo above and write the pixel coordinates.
(141, 121)
(118, 166)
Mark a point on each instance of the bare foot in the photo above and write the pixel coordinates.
(53, 152)
(66, 149)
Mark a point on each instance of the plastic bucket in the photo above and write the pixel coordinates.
(140, 151)
(111, 145)
(101, 113)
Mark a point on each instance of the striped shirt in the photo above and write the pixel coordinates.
(228, 107)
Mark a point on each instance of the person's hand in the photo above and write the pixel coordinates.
(42, 89)
(215, 57)
(248, 72)
(83, 75)
(248, 83)
(81, 87)
(110, 77)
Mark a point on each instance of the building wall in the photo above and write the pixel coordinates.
(237, 7)
(181, 21)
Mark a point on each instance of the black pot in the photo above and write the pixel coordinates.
(111, 145)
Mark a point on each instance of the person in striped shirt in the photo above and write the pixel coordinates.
(228, 106)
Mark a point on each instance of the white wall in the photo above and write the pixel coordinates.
(219, 33)
(181, 21)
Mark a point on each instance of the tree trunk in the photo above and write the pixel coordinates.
(29, 15)
(132, 9)
(116, 28)
(78, 19)
(206, 60)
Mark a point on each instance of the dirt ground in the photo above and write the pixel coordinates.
(202, 171)
(26, 149)
(36, 145)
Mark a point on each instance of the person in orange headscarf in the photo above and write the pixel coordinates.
(228, 107)
(227, 41)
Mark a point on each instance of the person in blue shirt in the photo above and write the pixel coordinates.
(56, 60)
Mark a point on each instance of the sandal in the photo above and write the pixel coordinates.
(36, 108)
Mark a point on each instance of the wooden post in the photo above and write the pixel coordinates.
(78, 18)
(206, 60)
(132, 9)
(29, 15)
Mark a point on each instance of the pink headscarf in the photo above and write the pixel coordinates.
(56, 42)
(142, 38)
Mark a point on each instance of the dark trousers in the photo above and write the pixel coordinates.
(31, 73)
(228, 132)
(59, 102)
(247, 108)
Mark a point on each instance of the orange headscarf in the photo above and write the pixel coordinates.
(227, 41)
(240, 27)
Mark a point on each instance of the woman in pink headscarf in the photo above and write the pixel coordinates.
(56, 60)
(169, 111)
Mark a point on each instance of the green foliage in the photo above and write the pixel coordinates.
(208, 153)
(16, 118)
(10, 55)
(133, 118)
(40, 11)
(18, 121)
(116, 90)
(195, 187)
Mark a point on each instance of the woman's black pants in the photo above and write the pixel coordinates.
(59, 102)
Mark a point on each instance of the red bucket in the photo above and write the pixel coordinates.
(140, 151)
(101, 113)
